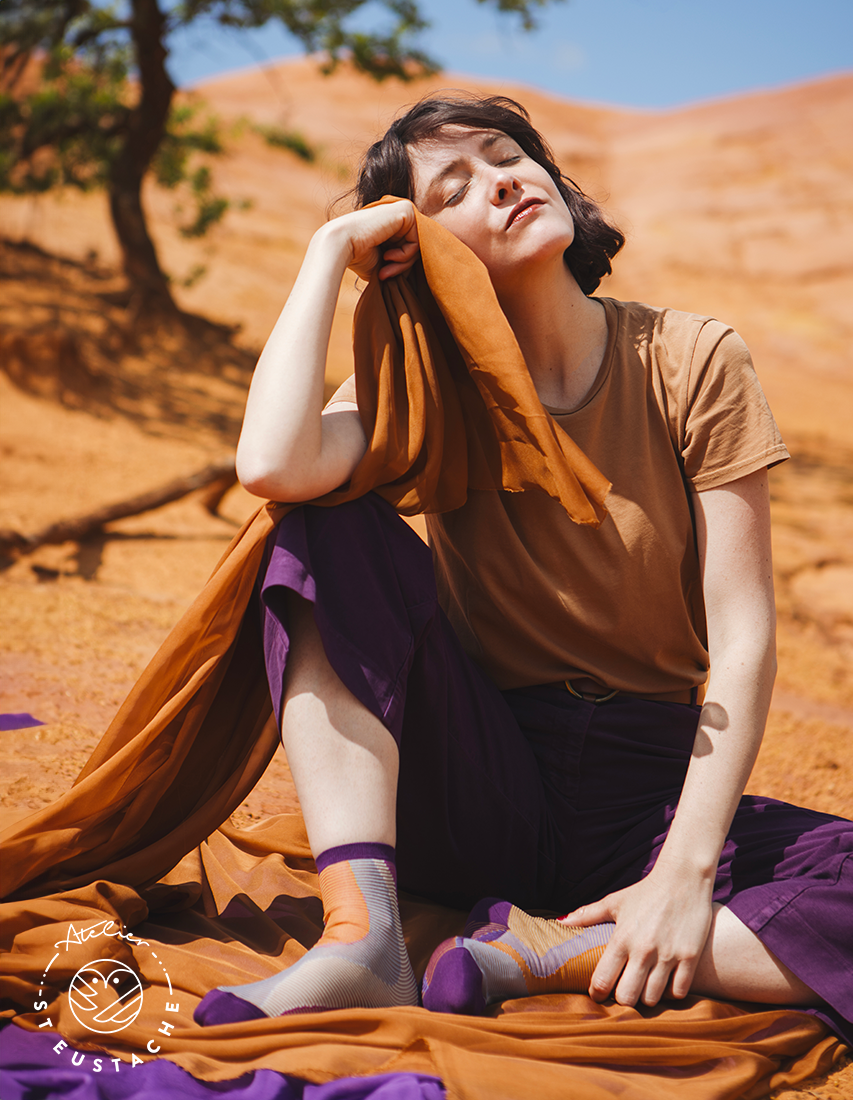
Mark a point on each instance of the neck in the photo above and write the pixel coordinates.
(561, 332)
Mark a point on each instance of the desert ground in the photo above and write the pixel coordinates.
(739, 208)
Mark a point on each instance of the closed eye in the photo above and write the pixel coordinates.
(457, 196)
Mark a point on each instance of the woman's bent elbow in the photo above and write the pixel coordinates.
(262, 480)
(286, 483)
(299, 472)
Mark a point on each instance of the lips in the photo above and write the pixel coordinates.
(521, 208)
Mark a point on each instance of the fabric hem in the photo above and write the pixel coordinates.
(827, 981)
(716, 478)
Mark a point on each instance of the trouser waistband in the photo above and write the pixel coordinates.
(591, 691)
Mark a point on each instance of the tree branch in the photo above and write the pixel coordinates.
(31, 143)
(92, 34)
(219, 475)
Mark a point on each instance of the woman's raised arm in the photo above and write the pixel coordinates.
(288, 449)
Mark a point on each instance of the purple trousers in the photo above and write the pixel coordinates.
(531, 794)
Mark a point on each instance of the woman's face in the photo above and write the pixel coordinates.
(481, 186)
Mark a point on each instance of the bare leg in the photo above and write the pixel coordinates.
(343, 760)
(735, 964)
(345, 765)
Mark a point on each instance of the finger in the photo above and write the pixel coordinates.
(656, 984)
(606, 973)
(388, 271)
(586, 915)
(405, 227)
(682, 978)
(632, 983)
(398, 259)
(401, 251)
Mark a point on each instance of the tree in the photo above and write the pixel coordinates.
(101, 113)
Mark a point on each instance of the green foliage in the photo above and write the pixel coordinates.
(197, 272)
(288, 139)
(175, 166)
(324, 26)
(524, 9)
(209, 208)
(181, 140)
(67, 131)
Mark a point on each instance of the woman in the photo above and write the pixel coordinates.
(539, 739)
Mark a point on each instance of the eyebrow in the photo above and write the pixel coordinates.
(489, 139)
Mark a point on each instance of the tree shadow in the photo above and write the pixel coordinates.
(67, 338)
(88, 555)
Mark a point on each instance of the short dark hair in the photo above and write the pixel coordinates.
(387, 170)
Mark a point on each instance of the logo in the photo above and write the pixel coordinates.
(106, 995)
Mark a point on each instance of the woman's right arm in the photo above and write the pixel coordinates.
(288, 449)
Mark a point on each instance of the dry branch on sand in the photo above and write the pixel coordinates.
(216, 479)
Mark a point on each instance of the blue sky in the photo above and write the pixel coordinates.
(643, 53)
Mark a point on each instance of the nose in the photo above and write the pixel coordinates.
(504, 184)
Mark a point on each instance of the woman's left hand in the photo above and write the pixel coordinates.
(662, 923)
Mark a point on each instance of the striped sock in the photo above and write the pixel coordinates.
(360, 961)
(506, 953)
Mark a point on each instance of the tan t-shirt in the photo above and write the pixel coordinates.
(536, 598)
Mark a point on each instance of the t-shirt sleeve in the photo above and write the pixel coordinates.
(729, 430)
(344, 392)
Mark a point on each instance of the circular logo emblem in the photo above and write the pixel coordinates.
(105, 996)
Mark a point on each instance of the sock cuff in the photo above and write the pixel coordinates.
(357, 851)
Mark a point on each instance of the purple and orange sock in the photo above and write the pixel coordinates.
(360, 961)
(506, 953)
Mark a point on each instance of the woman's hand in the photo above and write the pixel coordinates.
(379, 240)
(662, 923)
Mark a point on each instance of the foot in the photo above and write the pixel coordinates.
(505, 953)
(360, 961)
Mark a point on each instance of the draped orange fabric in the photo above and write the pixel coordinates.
(140, 839)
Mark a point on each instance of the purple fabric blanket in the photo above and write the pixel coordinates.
(30, 1069)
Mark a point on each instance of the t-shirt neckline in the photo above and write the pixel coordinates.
(611, 314)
